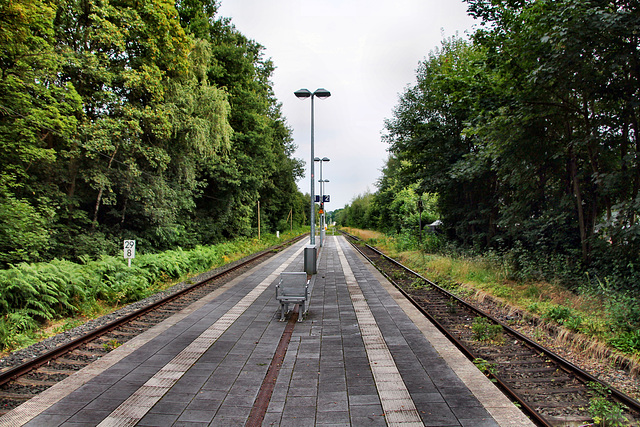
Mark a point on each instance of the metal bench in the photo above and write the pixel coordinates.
(293, 288)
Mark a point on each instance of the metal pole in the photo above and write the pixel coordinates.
(322, 214)
(313, 196)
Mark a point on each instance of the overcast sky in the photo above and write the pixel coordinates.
(365, 52)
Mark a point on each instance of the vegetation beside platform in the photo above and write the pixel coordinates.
(153, 120)
(41, 299)
(602, 314)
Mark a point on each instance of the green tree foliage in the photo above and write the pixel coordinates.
(135, 119)
(37, 109)
(528, 134)
(427, 135)
(358, 213)
(566, 134)
(258, 166)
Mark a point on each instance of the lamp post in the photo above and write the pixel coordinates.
(321, 160)
(302, 94)
(322, 217)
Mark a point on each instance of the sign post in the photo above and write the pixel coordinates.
(129, 250)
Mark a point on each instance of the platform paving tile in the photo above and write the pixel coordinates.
(154, 420)
(196, 416)
(172, 406)
(333, 418)
(272, 418)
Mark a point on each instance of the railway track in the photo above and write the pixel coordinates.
(23, 380)
(551, 390)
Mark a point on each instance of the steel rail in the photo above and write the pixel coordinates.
(512, 394)
(28, 366)
(559, 360)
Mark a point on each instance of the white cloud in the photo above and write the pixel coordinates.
(365, 52)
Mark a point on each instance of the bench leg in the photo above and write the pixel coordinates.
(301, 311)
(284, 307)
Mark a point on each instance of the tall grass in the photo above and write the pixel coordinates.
(31, 295)
(602, 313)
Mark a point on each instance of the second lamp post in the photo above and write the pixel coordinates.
(321, 181)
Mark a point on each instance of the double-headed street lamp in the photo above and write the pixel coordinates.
(321, 181)
(322, 94)
(311, 254)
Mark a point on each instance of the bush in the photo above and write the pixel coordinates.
(31, 294)
(558, 313)
(24, 231)
(624, 312)
(604, 411)
(627, 342)
(484, 330)
(408, 240)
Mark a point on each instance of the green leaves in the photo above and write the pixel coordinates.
(33, 293)
(528, 134)
(128, 119)
(24, 231)
(122, 117)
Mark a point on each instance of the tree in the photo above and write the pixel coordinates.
(528, 134)
(571, 70)
(37, 111)
(135, 119)
(258, 165)
(427, 135)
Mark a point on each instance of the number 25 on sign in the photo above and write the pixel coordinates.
(129, 250)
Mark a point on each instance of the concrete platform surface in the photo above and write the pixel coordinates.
(362, 356)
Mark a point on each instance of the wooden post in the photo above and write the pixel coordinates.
(420, 221)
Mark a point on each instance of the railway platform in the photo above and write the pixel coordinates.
(362, 356)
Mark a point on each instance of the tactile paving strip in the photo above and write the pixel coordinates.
(397, 404)
(142, 400)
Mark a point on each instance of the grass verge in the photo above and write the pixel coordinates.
(600, 324)
(42, 299)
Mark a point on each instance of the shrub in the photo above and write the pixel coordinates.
(558, 313)
(483, 330)
(627, 342)
(624, 312)
(31, 294)
(604, 411)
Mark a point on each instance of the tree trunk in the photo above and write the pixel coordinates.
(99, 199)
(573, 171)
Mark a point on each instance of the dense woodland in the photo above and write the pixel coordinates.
(156, 121)
(524, 140)
(151, 120)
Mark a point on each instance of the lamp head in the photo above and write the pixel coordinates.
(322, 93)
(302, 93)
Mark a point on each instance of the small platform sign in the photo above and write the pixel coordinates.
(129, 250)
(326, 198)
